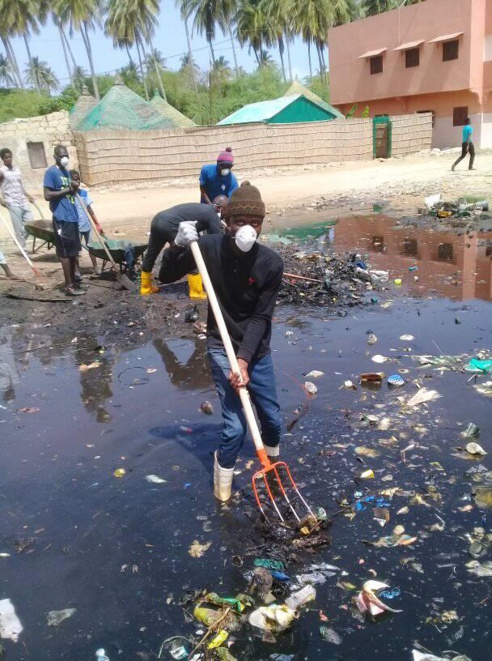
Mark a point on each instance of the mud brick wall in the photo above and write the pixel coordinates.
(50, 130)
(411, 133)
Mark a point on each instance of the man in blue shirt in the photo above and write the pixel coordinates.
(467, 146)
(59, 192)
(218, 179)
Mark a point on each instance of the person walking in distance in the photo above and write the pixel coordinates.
(246, 277)
(14, 195)
(467, 146)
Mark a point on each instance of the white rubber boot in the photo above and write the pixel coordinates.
(222, 481)
(273, 453)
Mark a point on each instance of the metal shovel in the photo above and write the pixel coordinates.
(123, 279)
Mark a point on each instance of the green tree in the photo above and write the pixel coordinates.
(80, 15)
(133, 22)
(39, 74)
(373, 7)
(206, 13)
(253, 26)
(21, 19)
(79, 78)
(225, 19)
(6, 73)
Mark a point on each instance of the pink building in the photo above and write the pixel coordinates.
(433, 56)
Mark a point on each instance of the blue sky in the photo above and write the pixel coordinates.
(170, 39)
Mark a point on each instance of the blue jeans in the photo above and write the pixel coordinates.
(263, 391)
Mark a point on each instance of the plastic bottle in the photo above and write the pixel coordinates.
(301, 597)
(101, 655)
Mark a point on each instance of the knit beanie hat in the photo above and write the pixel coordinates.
(245, 201)
(226, 156)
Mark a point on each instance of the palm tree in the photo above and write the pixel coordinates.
(280, 24)
(225, 19)
(6, 73)
(79, 76)
(66, 49)
(41, 75)
(185, 17)
(155, 59)
(265, 59)
(205, 13)
(133, 22)
(253, 26)
(373, 7)
(80, 15)
(21, 19)
(9, 17)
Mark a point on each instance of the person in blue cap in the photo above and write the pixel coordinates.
(218, 179)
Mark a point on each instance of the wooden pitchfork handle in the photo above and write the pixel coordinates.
(231, 355)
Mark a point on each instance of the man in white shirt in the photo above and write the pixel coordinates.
(14, 195)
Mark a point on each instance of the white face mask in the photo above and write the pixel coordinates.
(64, 161)
(245, 238)
(225, 172)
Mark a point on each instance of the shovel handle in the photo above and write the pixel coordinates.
(96, 232)
(231, 355)
(24, 253)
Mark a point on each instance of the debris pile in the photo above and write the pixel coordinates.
(314, 278)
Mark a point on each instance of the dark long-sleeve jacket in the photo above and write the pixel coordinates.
(246, 286)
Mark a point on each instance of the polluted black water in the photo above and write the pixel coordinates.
(106, 486)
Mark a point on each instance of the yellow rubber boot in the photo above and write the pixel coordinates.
(196, 286)
(146, 286)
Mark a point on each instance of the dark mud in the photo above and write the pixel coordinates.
(116, 549)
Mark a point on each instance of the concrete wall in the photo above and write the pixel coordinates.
(445, 134)
(51, 130)
(350, 77)
(123, 156)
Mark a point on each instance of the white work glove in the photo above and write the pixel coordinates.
(186, 234)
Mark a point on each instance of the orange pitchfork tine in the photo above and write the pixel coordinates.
(270, 470)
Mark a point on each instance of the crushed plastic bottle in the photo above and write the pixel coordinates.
(301, 597)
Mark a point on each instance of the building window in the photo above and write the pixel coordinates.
(410, 248)
(460, 115)
(450, 50)
(376, 64)
(423, 112)
(412, 57)
(37, 155)
(445, 252)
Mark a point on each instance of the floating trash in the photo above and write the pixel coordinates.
(310, 387)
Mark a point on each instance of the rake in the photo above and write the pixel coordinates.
(274, 475)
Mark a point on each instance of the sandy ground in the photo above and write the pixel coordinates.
(406, 181)
(293, 195)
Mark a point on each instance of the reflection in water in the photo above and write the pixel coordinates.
(458, 266)
(96, 384)
(9, 376)
(185, 363)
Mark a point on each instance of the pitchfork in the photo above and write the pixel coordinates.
(270, 471)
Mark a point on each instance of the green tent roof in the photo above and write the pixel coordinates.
(84, 104)
(169, 112)
(285, 110)
(297, 88)
(121, 108)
